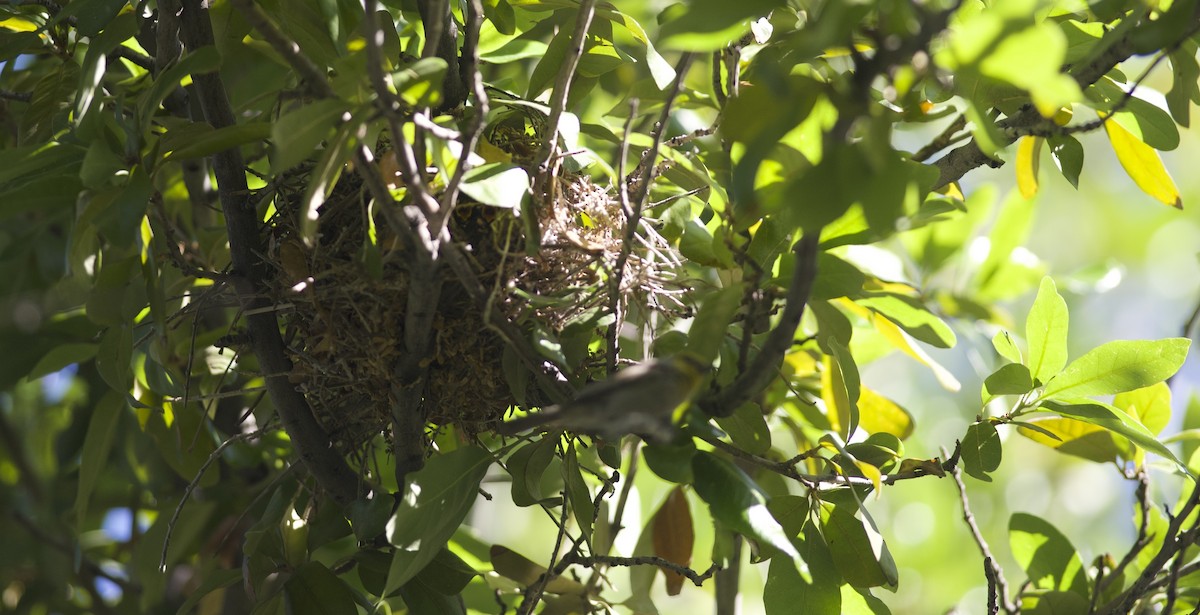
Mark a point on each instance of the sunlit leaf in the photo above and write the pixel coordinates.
(1028, 161)
(1046, 555)
(1046, 332)
(1119, 366)
(1143, 165)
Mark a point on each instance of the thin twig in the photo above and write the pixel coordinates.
(996, 576)
(1173, 542)
(187, 493)
(573, 559)
(475, 128)
(533, 593)
(613, 334)
(633, 205)
(1139, 544)
(312, 74)
(558, 99)
(779, 341)
(944, 139)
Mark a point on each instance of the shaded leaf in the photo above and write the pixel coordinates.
(737, 502)
(674, 536)
(1072, 437)
(436, 502)
(981, 450)
(858, 550)
(312, 588)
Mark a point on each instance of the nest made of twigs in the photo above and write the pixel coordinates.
(346, 297)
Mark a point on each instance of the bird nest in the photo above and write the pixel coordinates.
(346, 296)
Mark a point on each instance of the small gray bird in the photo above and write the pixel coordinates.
(641, 400)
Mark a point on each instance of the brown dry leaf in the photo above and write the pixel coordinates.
(674, 536)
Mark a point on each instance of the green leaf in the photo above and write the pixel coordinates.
(527, 465)
(708, 25)
(1046, 555)
(1046, 332)
(747, 428)
(909, 314)
(578, 494)
(840, 386)
(1113, 420)
(708, 329)
(1151, 406)
(981, 450)
(836, 278)
(221, 139)
(313, 589)
(447, 574)
(97, 445)
(92, 16)
(858, 550)
(791, 587)
(46, 195)
(369, 517)
(438, 499)
(547, 67)
(1067, 153)
(1059, 603)
(203, 60)
(671, 462)
(1185, 87)
(737, 502)
(298, 133)
(420, 83)
(502, 184)
(61, 356)
(324, 176)
(1006, 347)
(1119, 366)
(1012, 378)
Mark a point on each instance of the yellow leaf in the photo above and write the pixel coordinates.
(878, 414)
(1143, 165)
(1027, 165)
(1074, 438)
(835, 396)
(902, 341)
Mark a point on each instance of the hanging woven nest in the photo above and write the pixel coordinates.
(344, 300)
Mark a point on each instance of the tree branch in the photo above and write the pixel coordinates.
(960, 161)
(245, 247)
(763, 368)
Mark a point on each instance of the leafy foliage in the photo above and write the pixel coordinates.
(296, 261)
